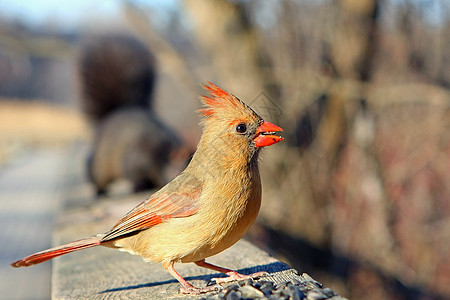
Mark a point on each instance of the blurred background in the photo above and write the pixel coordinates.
(358, 194)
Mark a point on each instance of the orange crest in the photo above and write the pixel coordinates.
(218, 99)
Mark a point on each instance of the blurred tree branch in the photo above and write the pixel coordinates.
(234, 46)
(167, 56)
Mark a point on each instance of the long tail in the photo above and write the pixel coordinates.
(45, 255)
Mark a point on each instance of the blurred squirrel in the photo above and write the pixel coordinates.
(134, 144)
(115, 71)
(117, 75)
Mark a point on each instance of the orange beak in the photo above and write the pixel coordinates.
(265, 135)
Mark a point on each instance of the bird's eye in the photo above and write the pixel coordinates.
(241, 128)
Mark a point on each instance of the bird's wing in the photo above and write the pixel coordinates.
(177, 199)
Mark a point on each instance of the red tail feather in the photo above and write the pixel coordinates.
(42, 256)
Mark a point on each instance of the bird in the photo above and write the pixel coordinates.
(207, 208)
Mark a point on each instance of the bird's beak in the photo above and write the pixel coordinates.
(265, 135)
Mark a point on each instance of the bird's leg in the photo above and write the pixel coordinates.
(232, 275)
(187, 287)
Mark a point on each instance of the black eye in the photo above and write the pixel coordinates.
(241, 128)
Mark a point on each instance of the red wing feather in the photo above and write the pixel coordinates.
(159, 207)
(163, 205)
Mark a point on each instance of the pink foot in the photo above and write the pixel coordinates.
(233, 276)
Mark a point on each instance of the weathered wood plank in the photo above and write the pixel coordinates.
(29, 202)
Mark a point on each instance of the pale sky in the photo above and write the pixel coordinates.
(68, 13)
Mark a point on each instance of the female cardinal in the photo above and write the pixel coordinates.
(205, 209)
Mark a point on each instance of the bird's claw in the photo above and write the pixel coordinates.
(237, 276)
